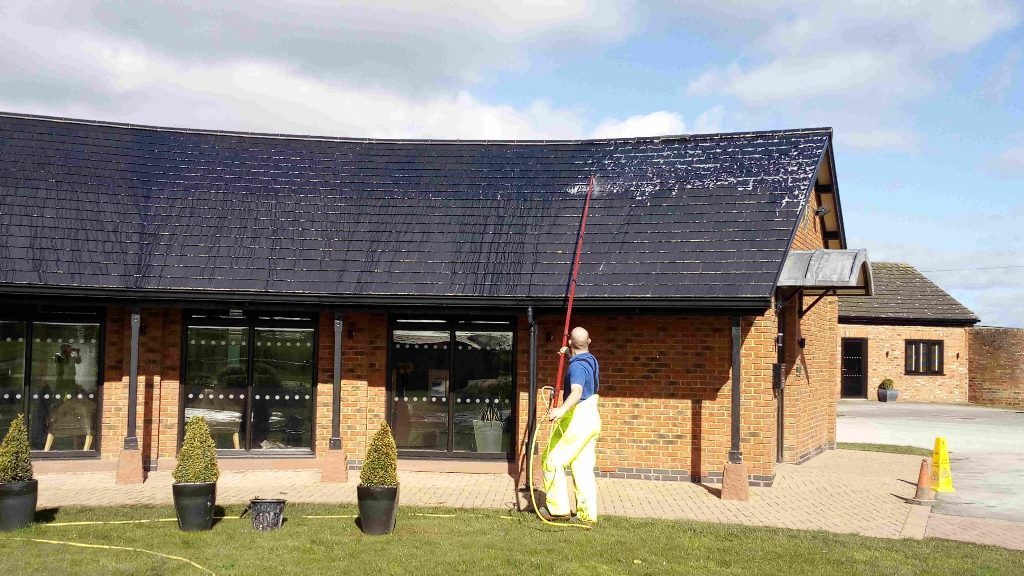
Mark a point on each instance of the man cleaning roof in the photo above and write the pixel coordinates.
(574, 438)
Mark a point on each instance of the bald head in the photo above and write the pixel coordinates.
(579, 339)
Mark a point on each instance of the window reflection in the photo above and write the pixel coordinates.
(217, 381)
(12, 372)
(483, 391)
(64, 388)
(420, 379)
(282, 388)
(465, 392)
(253, 399)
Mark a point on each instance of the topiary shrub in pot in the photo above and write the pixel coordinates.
(195, 477)
(886, 392)
(19, 492)
(378, 484)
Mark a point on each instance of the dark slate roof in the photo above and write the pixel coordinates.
(904, 296)
(144, 210)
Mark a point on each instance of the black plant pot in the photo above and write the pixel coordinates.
(18, 504)
(378, 508)
(194, 504)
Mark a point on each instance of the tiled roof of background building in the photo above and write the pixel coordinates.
(904, 296)
(97, 205)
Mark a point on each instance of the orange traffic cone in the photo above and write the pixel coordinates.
(924, 496)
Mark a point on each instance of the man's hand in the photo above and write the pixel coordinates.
(556, 413)
(563, 350)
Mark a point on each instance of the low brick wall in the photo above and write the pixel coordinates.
(997, 366)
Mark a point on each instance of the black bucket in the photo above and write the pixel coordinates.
(267, 513)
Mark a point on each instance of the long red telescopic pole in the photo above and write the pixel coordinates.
(556, 398)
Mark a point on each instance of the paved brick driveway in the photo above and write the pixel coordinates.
(840, 491)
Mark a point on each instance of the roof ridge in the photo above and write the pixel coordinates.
(306, 137)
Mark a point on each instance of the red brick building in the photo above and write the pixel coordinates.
(908, 330)
(296, 291)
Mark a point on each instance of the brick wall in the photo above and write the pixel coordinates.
(996, 366)
(364, 376)
(886, 348)
(812, 370)
(159, 367)
(666, 392)
(811, 376)
(666, 389)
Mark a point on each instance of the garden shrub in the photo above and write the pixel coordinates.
(380, 467)
(197, 459)
(15, 457)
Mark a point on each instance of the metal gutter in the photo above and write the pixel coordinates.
(193, 298)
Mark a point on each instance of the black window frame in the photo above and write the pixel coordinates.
(452, 323)
(927, 344)
(65, 315)
(251, 320)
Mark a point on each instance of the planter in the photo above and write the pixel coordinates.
(488, 435)
(378, 509)
(888, 395)
(267, 514)
(194, 504)
(18, 504)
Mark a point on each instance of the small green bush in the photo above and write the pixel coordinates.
(197, 459)
(380, 467)
(886, 384)
(15, 458)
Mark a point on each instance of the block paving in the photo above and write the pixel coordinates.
(840, 491)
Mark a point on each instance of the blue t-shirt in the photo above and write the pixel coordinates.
(583, 370)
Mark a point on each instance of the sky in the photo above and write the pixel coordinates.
(926, 97)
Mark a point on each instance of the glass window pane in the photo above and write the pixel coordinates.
(910, 357)
(482, 385)
(420, 373)
(936, 357)
(12, 372)
(282, 404)
(216, 381)
(65, 386)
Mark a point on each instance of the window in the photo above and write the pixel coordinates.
(923, 357)
(50, 371)
(452, 384)
(252, 377)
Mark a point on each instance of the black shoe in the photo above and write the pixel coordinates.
(547, 515)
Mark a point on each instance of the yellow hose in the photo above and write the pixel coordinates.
(106, 547)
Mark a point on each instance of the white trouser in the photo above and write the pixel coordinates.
(572, 444)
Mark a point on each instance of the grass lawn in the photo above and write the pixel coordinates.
(475, 542)
(890, 448)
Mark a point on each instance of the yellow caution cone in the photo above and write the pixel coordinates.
(942, 478)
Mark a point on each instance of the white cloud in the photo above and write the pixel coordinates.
(659, 123)
(979, 279)
(798, 78)
(710, 120)
(411, 44)
(879, 139)
(1010, 163)
(860, 60)
(1001, 81)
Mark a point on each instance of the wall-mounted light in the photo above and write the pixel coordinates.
(549, 336)
(351, 333)
(821, 211)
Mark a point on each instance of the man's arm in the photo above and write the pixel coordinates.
(575, 393)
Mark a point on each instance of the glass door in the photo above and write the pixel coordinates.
(452, 383)
(253, 379)
(420, 377)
